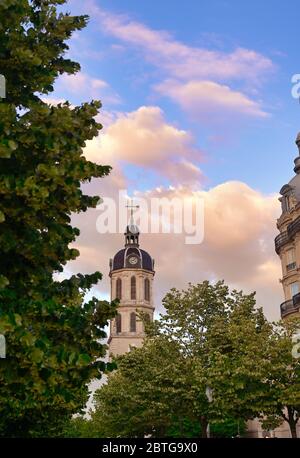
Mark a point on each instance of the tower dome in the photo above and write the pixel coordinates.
(131, 256)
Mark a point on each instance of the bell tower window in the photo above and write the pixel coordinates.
(132, 322)
(119, 289)
(133, 288)
(119, 323)
(147, 289)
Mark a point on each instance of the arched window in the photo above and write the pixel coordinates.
(147, 289)
(132, 322)
(119, 289)
(133, 288)
(118, 323)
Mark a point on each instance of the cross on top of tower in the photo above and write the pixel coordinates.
(132, 230)
(131, 221)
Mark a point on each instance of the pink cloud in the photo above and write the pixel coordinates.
(238, 246)
(206, 99)
(193, 76)
(184, 173)
(82, 83)
(144, 138)
(177, 58)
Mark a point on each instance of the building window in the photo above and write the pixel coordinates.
(290, 259)
(147, 289)
(119, 289)
(133, 322)
(294, 288)
(133, 288)
(286, 199)
(118, 323)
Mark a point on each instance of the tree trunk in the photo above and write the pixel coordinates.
(292, 421)
(293, 429)
(204, 424)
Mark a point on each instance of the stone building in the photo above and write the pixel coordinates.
(131, 279)
(287, 243)
(287, 246)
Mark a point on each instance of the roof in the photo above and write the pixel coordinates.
(119, 260)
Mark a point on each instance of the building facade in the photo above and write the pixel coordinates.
(131, 279)
(287, 246)
(287, 243)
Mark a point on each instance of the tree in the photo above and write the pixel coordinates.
(229, 427)
(78, 427)
(145, 394)
(162, 387)
(253, 372)
(185, 427)
(190, 317)
(283, 377)
(239, 362)
(52, 335)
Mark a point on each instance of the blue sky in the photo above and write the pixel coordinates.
(256, 151)
(196, 95)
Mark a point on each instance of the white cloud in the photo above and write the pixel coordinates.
(198, 74)
(145, 139)
(53, 101)
(206, 99)
(240, 226)
(84, 85)
(178, 59)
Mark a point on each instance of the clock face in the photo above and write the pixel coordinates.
(133, 260)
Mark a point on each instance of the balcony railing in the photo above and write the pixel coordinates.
(288, 235)
(293, 227)
(296, 300)
(281, 240)
(290, 306)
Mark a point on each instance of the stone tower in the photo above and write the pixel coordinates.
(131, 278)
(287, 243)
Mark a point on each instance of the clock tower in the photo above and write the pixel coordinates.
(131, 279)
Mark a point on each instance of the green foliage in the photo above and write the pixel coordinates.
(32, 47)
(230, 427)
(52, 335)
(184, 427)
(239, 361)
(211, 338)
(283, 377)
(189, 313)
(194, 319)
(253, 372)
(144, 394)
(161, 388)
(78, 427)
